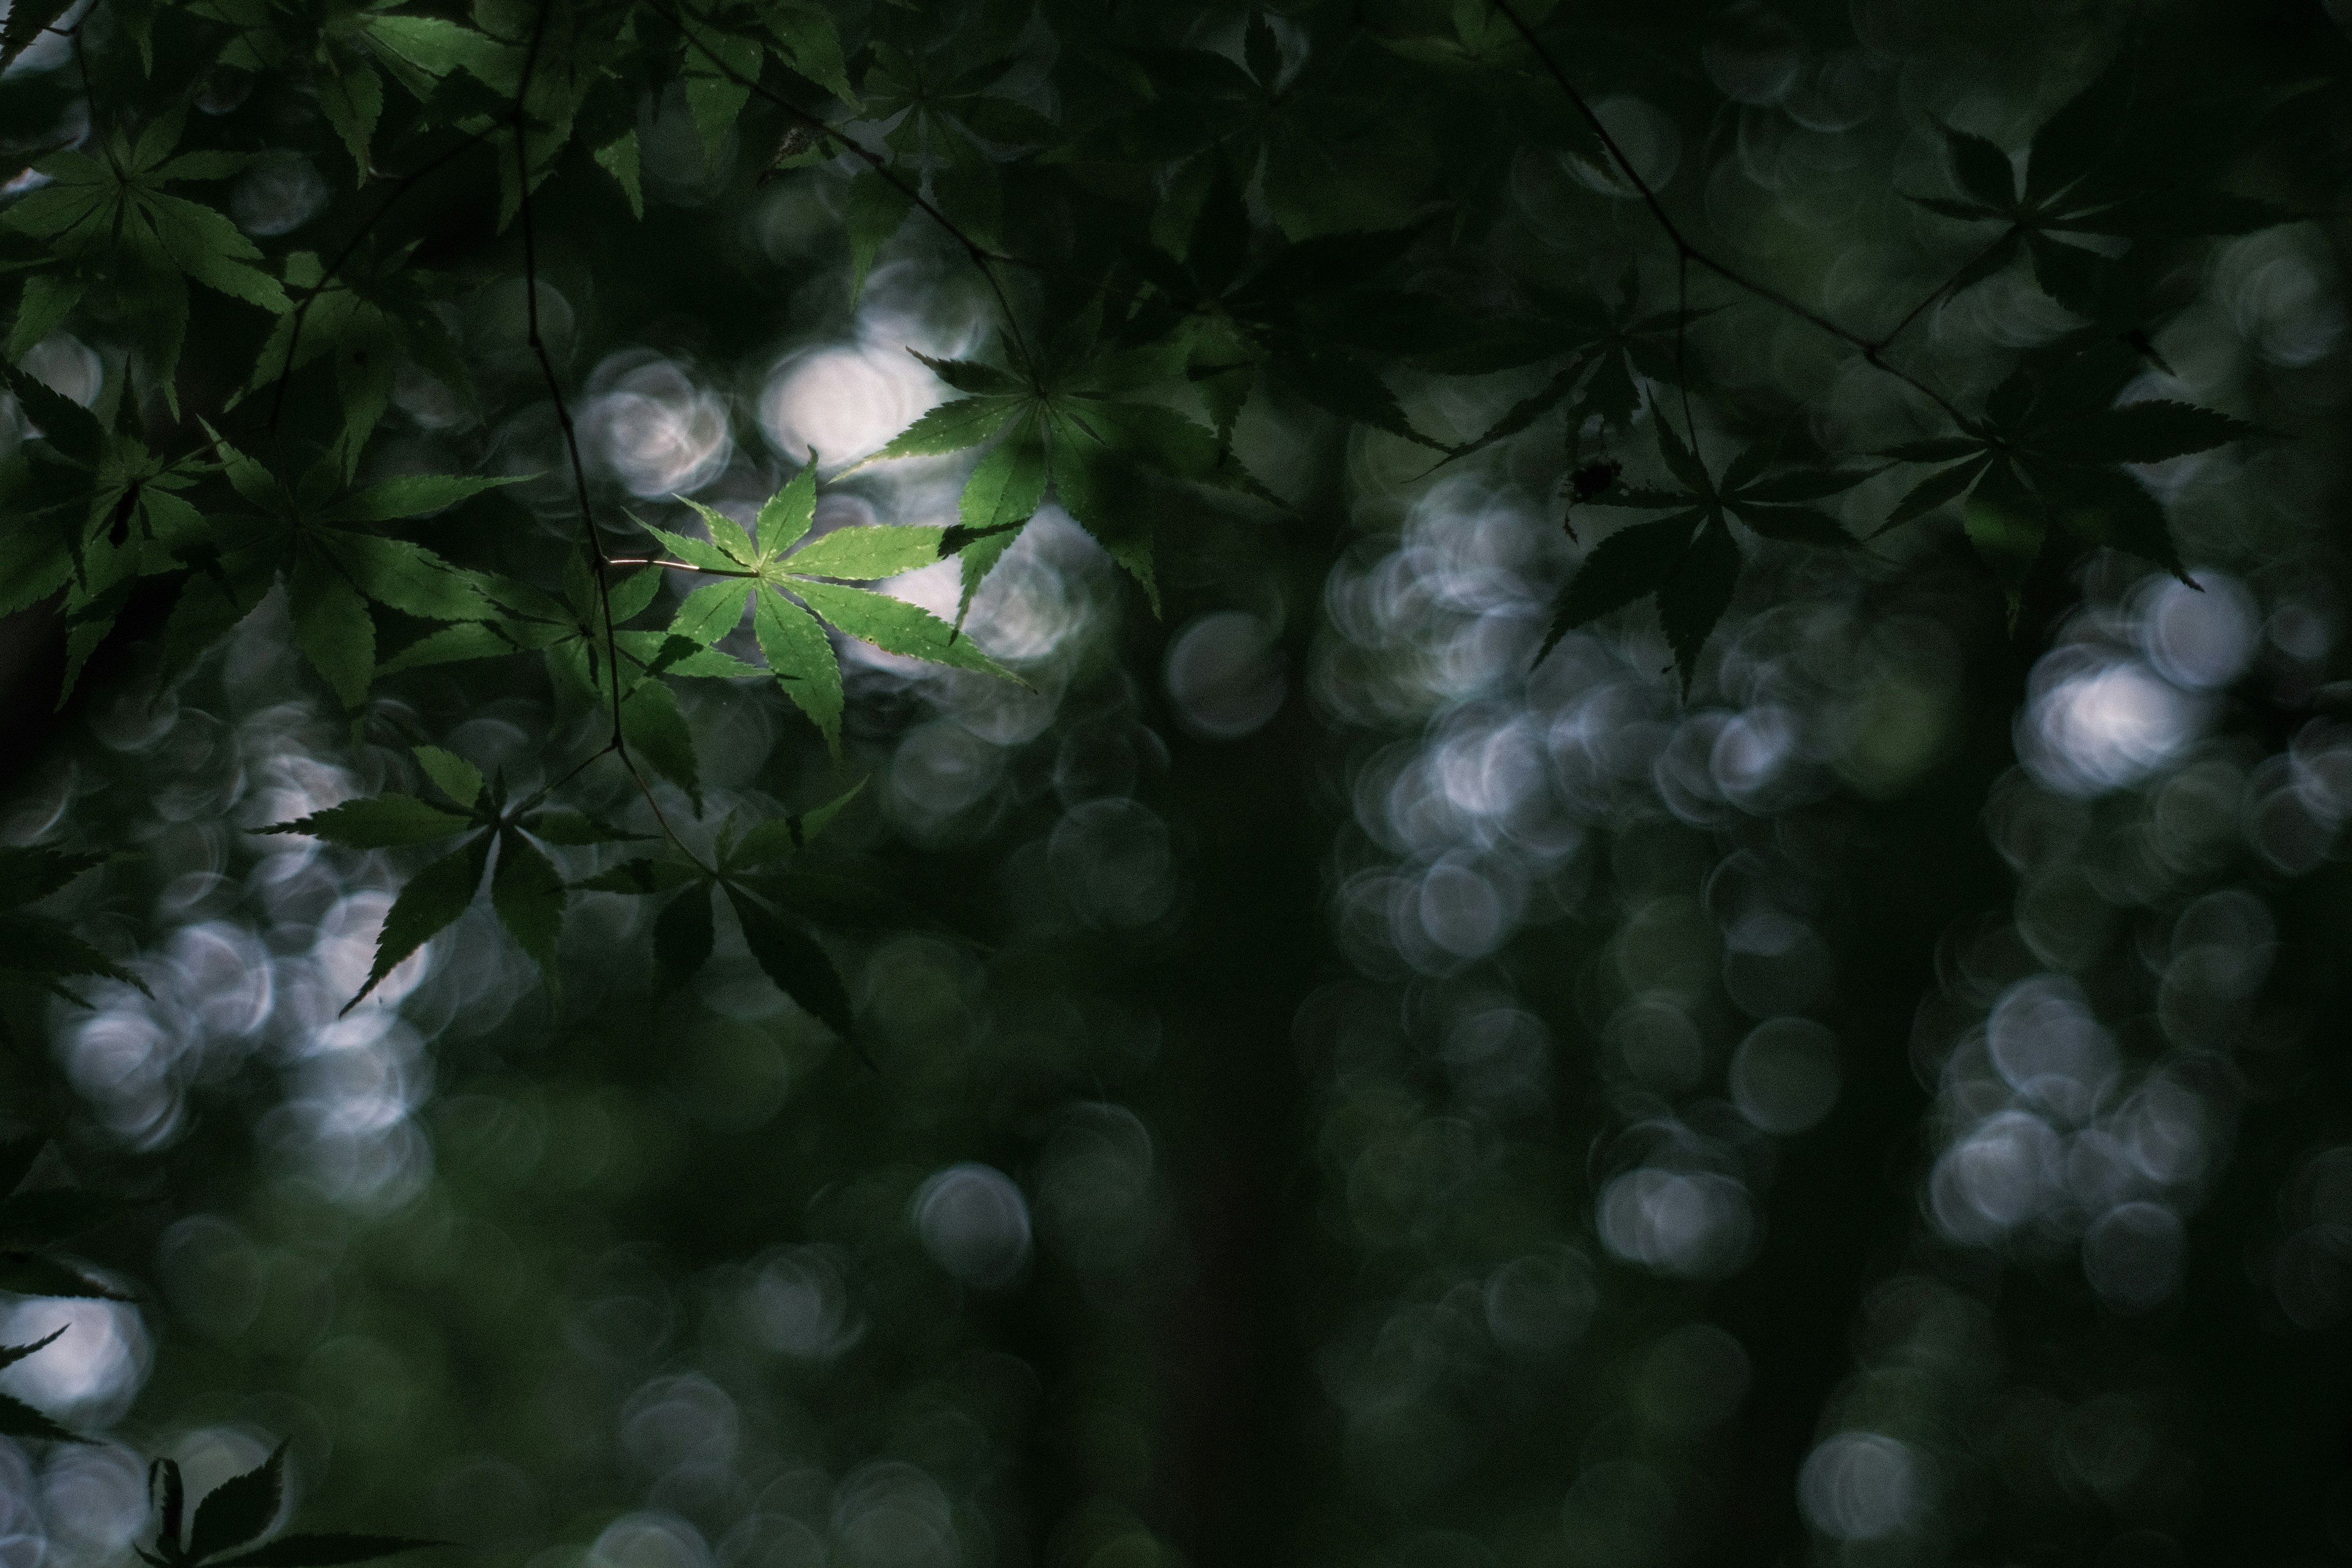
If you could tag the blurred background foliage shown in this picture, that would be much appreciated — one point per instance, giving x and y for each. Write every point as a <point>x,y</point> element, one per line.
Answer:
<point>1327,1091</point>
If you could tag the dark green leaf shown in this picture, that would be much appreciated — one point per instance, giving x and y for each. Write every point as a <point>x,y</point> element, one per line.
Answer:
<point>1695,596</point>
<point>239,1508</point>
<point>1627,565</point>
<point>163,1479</point>
<point>11,1354</point>
<point>1933,491</point>
<point>970,376</point>
<point>2143,433</point>
<point>432,899</point>
<point>528,896</point>
<point>656,731</point>
<point>801,968</point>
<point>458,779</point>
<point>26,19</point>
<point>379,822</point>
<point>64,423</point>
<point>43,948</point>
<point>2102,506</point>
<point>28,876</point>
<point>1982,169</point>
<point>18,1419</point>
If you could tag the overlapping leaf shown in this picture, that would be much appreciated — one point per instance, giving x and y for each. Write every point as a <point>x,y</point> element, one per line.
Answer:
<point>526,891</point>
<point>1689,559</point>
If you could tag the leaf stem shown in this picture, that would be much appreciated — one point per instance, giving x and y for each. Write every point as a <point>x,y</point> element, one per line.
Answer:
<point>673,566</point>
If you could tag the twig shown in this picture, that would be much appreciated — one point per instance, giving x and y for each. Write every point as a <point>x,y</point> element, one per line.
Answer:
<point>1944,287</point>
<point>1690,252</point>
<point>618,745</point>
<point>673,566</point>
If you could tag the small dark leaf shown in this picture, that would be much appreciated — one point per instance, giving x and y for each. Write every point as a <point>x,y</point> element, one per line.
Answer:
<point>65,424</point>
<point>2143,433</point>
<point>2069,274</point>
<point>239,1508</point>
<point>801,968</point>
<point>11,1354</point>
<point>171,1491</point>
<point>1694,598</point>
<point>378,822</point>
<point>1623,567</point>
<point>25,20</point>
<point>2102,506</point>
<point>1982,169</point>
<point>528,894</point>
<point>1681,461</point>
<point>18,1419</point>
<point>1933,491</point>
<point>433,898</point>
<point>1264,54</point>
<point>28,876</point>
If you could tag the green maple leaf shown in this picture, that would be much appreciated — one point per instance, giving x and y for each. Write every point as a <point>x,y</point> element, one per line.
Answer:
<point>786,583</point>
<point>312,536</point>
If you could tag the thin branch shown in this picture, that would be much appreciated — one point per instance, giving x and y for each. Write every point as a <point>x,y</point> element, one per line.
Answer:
<point>1945,288</point>
<point>980,255</point>
<point>1690,252</point>
<point>553,785</point>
